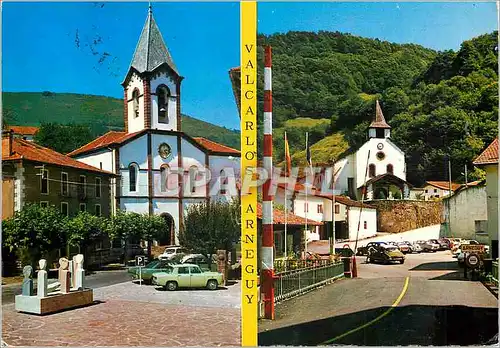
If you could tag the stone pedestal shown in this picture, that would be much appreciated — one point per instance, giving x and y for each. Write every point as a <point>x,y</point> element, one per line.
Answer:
<point>54,302</point>
<point>222,264</point>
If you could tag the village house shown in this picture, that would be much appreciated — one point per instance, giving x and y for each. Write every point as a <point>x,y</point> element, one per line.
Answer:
<point>439,189</point>
<point>488,160</point>
<point>35,174</point>
<point>163,170</point>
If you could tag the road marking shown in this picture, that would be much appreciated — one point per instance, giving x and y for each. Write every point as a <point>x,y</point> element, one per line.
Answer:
<point>394,305</point>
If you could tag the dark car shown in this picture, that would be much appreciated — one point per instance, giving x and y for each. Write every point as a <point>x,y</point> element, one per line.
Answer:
<point>147,271</point>
<point>442,244</point>
<point>362,251</point>
<point>384,253</point>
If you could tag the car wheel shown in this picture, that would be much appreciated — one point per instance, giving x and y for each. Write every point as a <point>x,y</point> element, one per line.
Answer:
<point>212,284</point>
<point>171,286</point>
<point>402,261</point>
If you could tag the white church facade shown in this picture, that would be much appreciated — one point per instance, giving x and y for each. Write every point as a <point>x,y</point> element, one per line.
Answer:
<point>161,170</point>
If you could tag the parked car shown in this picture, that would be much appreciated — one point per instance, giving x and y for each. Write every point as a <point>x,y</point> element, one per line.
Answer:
<point>405,247</point>
<point>384,253</point>
<point>428,246</point>
<point>187,276</point>
<point>147,271</point>
<point>200,260</point>
<point>416,247</point>
<point>442,244</point>
<point>362,251</point>
<point>171,252</point>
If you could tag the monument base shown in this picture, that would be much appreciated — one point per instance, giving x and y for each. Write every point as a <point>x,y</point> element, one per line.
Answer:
<point>54,302</point>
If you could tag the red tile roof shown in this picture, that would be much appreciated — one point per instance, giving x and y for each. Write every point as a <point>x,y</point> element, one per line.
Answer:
<point>444,185</point>
<point>23,130</point>
<point>28,150</point>
<point>338,198</point>
<point>379,121</point>
<point>291,219</point>
<point>103,141</point>
<point>215,147</point>
<point>115,138</point>
<point>489,155</point>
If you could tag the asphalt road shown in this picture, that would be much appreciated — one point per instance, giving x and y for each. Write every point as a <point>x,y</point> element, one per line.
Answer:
<point>424,301</point>
<point>94,281</point>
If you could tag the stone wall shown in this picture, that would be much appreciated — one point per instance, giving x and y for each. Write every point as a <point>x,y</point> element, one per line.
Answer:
<point>403,215</point>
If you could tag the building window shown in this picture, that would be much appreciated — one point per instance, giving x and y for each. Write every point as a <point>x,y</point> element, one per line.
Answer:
<point>98,187</point>
<point>193,175</point>
<point>435,190</point>
<point>100,165</point>
<point>83,207</point>
<point>97,210</point>
<point>135,102</point>
<point>390,169</point>
<point>64,184</point>
<point>82,187</point>
<point>163,94</point>
<point>44,204</point>
<point>426,191</point>
<point>223,182</point>
<point>365,225</point>
<point>44,182</point>
<point>371,170</point>
<point>337,209</point>
<point>306,207</point>
<point>132,177</point>
<point>320,208</point>
<point>64,209</point>
<point>164,170</point>
<point>380,133</point>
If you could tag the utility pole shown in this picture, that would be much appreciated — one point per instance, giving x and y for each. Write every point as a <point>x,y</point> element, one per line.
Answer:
<point>465,175</point>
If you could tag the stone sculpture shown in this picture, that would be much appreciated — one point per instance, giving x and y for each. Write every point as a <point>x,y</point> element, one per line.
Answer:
<point>64,275</point>
<point>79,273</point>
<point>42,288</point>
<point>27,288</point>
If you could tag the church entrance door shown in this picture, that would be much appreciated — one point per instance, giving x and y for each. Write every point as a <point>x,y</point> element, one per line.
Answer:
<point>168,238</point>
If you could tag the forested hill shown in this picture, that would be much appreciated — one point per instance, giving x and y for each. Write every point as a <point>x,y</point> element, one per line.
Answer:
<point>428,97</point>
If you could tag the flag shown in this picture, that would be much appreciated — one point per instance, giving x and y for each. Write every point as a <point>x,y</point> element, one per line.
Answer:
<point>288,159</point>
<point>308,150</point>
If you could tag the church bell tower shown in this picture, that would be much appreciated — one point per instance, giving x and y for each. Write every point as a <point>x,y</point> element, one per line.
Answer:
<point>379,127</point>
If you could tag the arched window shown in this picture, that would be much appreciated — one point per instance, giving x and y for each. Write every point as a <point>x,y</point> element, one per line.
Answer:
<point>193,176</point>
<point>371,170</point>
<point>223,182</point>
<point>132,177</point>
<point>135,102</point>
<point>164,171</point>
<point>390,169</point>
<point>163,94</point>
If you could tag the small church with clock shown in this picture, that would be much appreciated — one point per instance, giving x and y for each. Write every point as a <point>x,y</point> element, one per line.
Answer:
<point>161,169</point>
<point>377,169</point>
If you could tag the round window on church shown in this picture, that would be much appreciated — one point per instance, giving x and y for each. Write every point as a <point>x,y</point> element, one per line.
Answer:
<point>164,150</point>
<point>380,155</point>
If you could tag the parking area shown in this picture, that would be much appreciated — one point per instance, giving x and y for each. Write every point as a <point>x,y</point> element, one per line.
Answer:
<point>129,314</point>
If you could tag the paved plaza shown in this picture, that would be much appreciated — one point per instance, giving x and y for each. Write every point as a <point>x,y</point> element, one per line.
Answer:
<point>127,314</point>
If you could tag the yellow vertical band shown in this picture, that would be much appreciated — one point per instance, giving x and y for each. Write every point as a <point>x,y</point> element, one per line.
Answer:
<point>249,290</point>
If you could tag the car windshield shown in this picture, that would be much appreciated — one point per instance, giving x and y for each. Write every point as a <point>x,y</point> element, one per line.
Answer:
<point>169,251</point>
<point>391,248</point>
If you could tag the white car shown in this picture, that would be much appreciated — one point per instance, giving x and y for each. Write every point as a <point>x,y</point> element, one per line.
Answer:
<point>172,251</point>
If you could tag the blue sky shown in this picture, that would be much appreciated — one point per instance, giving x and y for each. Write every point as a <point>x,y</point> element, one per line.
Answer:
<point>40,50</point>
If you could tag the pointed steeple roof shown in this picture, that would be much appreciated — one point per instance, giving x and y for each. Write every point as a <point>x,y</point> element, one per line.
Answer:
<point>151,50</point>
<point>379,121</point>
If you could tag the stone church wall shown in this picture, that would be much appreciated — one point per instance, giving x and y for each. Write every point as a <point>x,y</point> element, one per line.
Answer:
<point>395,216</point>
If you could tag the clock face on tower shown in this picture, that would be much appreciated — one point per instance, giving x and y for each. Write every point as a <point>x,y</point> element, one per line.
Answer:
<point>380,146</point>
<point>164,150</point>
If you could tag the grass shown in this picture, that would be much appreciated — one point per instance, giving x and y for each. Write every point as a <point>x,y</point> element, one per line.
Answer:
<point>307,122</point>
<point>101,113</point>
<point>327,150</point>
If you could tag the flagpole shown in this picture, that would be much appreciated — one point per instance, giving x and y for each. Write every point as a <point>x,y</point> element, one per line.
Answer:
<point>307,205</point>
<point>286,188</point>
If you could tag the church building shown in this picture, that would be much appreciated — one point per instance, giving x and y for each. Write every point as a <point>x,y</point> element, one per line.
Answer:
<point>161,169</point>
<point>377,168</point>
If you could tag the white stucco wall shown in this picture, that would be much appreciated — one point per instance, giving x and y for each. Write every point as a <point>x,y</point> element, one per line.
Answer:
<point>138,205</point>
<point>343,170</point>
<point>368,215</point>
<point>312,202</point>
<point>156,81</point>
<point>393,155</point>
<point>135,123</point>
<point>169,206</point>
<point>104,156</point>
<point>192,156</point>
<point>216,164</point>
<point>432,191</point>
<point>492,200</point>
<point>134,151</point>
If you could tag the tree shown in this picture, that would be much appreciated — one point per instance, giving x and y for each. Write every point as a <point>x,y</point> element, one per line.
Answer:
<point>153,226</point>
<point>35,232</point>
<point>211,226</point>
<point>63,138</point>
<point>83,230</point>
<point>126,226</point>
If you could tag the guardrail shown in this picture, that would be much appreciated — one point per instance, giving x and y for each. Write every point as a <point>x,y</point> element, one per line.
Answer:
<point>296,280</point>
<point>494,272</point>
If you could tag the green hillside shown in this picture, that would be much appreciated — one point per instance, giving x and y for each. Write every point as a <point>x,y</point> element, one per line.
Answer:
<point>100,113</point>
